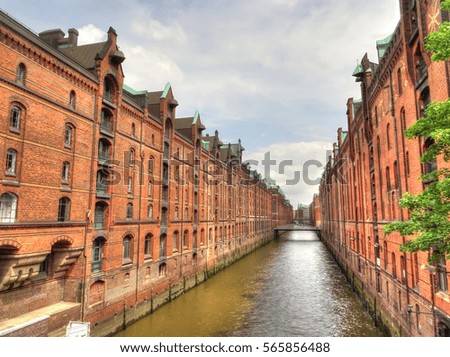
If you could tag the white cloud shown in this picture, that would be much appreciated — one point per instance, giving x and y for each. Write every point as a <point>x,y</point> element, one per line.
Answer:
<point>90,34</point>
<point>297,167</point>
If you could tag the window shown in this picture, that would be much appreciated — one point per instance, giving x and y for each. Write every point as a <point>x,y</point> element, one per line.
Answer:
<point>431,165</point>
<point>68,136</point>
<point>97,255</point>
<point>8,207</point>
<point>150,189</point>
<point>102,181</point>
<point>442,274</point>
<point>394,266</point>
<point>127,249</point>
<point>106,121</point>
<point>103,150</point>
<point>388,135</point>
<point>388,179</point>
<point>186,213</point>
<point>151,165</point>
<point>175,240</point>
<point>133,130</point>
<point>153,140</point>
<point>399,81</point>
<point>11,159</point>
<point>162,269</point>
<point>150,211</point>
<point>130,211</point>
<point>21,75</point>
<point>14,119</point>
<point>185,239</point>
<point>64,210</point>
<point>407,170</point>
<point>100,214</point>
<point>130,185</point>
<point>131,158</point>
<point>148,245</point>
<point>65,172</point>
<point>72,99</point>
<point>162,246</point>
<point>108,90</point>
<point>176,214</point>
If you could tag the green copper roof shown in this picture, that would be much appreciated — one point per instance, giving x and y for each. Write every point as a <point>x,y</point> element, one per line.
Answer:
<point>196,116</point>
<point>166,90</point>
<point>133,91</point>
<point>359,70</point>
<point>344,135</point>
<point>383,44</point>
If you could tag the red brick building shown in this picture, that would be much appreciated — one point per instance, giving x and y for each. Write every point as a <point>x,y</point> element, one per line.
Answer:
<point>109,204</point>
<point>372,165</point>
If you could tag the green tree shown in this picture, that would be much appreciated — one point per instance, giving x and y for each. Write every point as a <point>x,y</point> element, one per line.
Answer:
<point>430,210</point>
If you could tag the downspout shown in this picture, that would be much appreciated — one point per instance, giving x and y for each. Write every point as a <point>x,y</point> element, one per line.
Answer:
<point>399,189</point>
<point>88,213</point>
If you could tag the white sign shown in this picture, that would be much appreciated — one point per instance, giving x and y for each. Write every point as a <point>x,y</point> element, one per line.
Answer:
<point>78,329</point>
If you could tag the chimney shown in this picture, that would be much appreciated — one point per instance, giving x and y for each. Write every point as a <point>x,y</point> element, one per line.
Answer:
<point>73,37</point>
<point>52,37</point>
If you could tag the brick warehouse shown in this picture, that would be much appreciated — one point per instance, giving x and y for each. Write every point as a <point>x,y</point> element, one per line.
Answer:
<point>372,165</point>
<point>110,206</point>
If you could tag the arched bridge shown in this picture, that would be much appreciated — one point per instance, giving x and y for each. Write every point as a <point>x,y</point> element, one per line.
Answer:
<point>295,227</point>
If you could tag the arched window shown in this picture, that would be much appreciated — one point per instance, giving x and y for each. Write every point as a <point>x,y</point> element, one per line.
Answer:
<point>407,169</point>
<point>150,188</point>
<point>8,208</point>
<point>186,213</point>
<point>131,157</point>
<point>151,164</point>
<point>186,239</point>
<point>106,121</point>
<point>399,81</point>
<point>129,211</point>
<point>148,245</point>
<point>14,118</point>
<point>396,175</point>
<point>100,215</point>
<point>11,161</point>
<point>108,90</point>
<point>127,249</point>
<point>376,116</point>
<point>388,179</point>
<point>68,136</point>
<point>162,269</point>
<point>102,181</point>
<point>65,172</point>
<point>103,150</point>
<point>162,246</point>
<point>130,185</point>
<point>21,74</point>
<point>176,213</point>
<point>133,130</point>
<point>150,211</point>
<point>97,254</point>
<point>153,140</point>
<point>394,266</point>
<point>430,165</point>
<point>64,210</point>
<point>175,241</point>
<point>403,119</point>
<point>72,99</point>
<point>388,135</point>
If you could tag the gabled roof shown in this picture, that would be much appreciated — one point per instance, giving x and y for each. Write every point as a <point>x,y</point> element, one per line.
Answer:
<point>85,55</point>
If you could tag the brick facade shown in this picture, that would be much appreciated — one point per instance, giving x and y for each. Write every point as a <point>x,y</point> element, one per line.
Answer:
<point>372,165</point>
<point>108,200</point>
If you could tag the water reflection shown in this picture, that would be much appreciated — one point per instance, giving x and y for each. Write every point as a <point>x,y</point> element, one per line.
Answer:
<point>290,287</point>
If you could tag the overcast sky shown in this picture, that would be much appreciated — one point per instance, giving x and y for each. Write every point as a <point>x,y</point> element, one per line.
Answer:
<point>275,73</point>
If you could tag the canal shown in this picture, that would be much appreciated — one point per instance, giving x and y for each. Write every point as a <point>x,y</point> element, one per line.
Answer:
<point>289,287</point>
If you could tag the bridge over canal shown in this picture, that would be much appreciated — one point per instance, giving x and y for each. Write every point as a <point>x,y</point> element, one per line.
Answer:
<point>294,227</point>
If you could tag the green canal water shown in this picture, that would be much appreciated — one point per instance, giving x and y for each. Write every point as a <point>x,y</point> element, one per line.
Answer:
<point>289,287</point>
